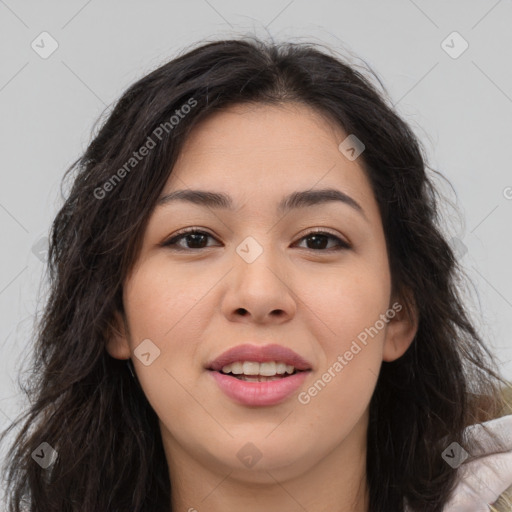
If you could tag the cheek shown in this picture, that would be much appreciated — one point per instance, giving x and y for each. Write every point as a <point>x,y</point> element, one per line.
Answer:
<point>350,330</point>
<point>351,346</point>
<point>349,303</point>
<point>167,308</point>
<point>162,301</point>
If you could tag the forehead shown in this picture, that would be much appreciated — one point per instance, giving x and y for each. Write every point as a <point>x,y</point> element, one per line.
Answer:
<point>258,129</point>
<point>260,153</point>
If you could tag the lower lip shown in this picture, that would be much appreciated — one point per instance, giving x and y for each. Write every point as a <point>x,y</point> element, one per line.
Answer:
<point>271,392</point>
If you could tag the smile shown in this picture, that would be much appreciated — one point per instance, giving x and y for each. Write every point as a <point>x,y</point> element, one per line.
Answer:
<point>259,390</point>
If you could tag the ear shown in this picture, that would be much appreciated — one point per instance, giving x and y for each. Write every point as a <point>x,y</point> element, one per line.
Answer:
<point>402,329</point>
<point>117,344</point>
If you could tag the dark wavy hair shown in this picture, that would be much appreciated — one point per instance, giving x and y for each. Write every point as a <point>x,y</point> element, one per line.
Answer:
<point>85,403</point>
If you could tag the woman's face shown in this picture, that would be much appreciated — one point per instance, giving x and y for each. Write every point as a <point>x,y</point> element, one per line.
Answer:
<point>257,275</point>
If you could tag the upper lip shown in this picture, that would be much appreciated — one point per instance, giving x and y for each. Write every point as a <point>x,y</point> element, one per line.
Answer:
<point>259,354</point>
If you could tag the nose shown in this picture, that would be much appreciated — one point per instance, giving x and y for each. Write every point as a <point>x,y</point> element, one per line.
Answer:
<point>259,292</point>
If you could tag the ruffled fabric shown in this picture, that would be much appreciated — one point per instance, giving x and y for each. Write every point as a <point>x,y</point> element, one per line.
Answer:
<point>486,472</point>
<point>489,471</point>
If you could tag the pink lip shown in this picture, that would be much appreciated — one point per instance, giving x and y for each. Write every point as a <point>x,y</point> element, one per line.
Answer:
<point>259,354</point>
<point>259,393</point>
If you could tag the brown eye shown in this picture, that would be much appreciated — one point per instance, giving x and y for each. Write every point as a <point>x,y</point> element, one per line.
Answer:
<point>194,239</point>
<point>319,240</point>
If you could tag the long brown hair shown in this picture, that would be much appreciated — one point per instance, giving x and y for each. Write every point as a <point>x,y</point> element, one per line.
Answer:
<point>86,405</point>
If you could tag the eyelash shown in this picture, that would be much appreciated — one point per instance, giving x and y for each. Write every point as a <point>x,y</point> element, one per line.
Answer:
<point>341,244</point>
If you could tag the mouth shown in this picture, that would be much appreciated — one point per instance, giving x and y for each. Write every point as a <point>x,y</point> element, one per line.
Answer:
<point>253,371</point>
<point>255,384</point>
<point>267,361</point>
<point>255,375</point>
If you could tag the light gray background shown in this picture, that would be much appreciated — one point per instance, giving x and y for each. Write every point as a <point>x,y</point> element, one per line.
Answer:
<point>461,108</point>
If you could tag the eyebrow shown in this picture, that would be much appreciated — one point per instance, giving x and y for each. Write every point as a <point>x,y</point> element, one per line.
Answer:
<point>300,199</point>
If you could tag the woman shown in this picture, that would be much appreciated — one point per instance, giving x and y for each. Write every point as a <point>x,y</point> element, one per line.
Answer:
<point>264,366</point>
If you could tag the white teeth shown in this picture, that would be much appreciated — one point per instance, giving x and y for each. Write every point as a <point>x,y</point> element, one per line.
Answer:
<point>237,368</point>
<point>251,368</point>
<point>267,369</point>
<point>281,368</point>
